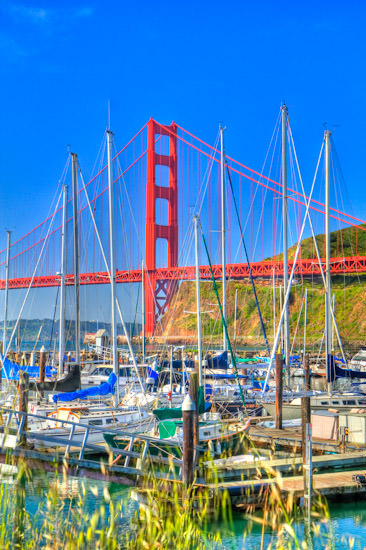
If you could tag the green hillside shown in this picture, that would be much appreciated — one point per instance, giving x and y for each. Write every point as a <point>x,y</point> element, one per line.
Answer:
<point>350,241</point>
<point>349,292</point>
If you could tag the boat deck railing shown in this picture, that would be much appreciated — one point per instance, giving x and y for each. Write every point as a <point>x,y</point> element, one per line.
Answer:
<point>14,441</point>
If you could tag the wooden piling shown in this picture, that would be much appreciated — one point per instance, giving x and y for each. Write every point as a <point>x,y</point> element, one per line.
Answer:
<point>193,392</point>
<point>307,382</point>
<point>279,391</point>
<point>23,389</point>
<point>305,419</point>
<point>188,409</point>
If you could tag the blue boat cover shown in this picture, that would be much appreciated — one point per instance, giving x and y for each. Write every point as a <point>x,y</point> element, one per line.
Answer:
<point>219,361</point>
<point>226,376</point>
<point>177,364</point>
<point>102,389</point>
<point>152,373</point>
<point>10,370</point>
<point>260,385</point>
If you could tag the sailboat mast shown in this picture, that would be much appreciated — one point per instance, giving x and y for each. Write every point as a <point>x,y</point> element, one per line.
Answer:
<point>285,240</point>
<point>305,322</point>
<point>327,134</point>
<point>223,232</point>
<point>112,264</point>
<point>274,303</point>
<point>333,323</point>
<point>74,158</point>
<point>6,298</point>
<point>198,300</point>
<point>63,287</point>
<point>235,315</point>
<point>143,309</point>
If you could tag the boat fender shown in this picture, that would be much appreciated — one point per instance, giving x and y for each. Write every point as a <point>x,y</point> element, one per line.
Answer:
<point>211,447</point>
<point>169,395</point>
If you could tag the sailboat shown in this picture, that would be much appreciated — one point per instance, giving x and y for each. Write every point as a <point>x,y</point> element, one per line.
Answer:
<point>338,401</point>
<point>215,436</point>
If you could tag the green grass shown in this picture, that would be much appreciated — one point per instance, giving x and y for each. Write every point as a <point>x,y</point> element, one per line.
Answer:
<point>169,520</point>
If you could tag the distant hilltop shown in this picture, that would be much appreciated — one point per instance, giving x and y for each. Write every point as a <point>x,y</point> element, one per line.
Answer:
<point>46,330</point>
<point>350,241</point>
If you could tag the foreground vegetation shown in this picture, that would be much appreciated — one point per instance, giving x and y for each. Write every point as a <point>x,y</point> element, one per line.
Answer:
<point>169,519</point>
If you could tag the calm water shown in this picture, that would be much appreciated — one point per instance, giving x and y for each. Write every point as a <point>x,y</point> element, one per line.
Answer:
<point>347,520</point>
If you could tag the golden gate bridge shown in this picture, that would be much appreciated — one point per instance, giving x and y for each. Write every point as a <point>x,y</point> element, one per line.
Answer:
<point>163,176</point>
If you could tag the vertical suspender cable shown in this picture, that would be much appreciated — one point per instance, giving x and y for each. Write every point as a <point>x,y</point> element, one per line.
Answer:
<point>248,264</point>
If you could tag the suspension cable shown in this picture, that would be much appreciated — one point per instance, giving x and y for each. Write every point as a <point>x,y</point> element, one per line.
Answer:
<point>248,263</point>
<point>223,319</point>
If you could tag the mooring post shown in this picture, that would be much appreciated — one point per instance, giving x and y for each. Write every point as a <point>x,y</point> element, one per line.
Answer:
<point>193,392</point>
<point>279,391</point>
<point>188,409</point>
<point>305,407</point>
<point>23,404</point>
<point>42,364</point>
<point>308,477</point>
<point>305,420</point>
<point>307,383</point>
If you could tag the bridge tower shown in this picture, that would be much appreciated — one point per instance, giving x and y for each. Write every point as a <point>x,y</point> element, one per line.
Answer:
<point>158,291</point>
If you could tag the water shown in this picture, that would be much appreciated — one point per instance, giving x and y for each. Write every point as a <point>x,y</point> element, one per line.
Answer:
<point>347,523</point>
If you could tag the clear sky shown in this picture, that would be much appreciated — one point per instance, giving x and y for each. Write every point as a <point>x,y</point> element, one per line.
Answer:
<point>196,62</point>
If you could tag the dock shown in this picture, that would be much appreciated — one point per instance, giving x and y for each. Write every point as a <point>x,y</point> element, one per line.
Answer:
<point>290,438</point>
<point>239,467</point>
<point>252,492</point>
<point>246,479</point>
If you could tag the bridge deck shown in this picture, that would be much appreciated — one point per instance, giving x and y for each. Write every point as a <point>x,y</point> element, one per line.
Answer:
<point>353,264</point>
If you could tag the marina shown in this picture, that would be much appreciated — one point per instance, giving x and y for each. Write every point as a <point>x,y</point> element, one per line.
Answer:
<point>182,276</point>
<point>221,425</point>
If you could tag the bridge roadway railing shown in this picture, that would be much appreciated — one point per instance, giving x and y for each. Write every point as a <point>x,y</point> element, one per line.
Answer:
<point>265,269</point>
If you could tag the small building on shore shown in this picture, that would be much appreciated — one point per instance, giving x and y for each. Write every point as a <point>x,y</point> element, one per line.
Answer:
<point>100,339</point>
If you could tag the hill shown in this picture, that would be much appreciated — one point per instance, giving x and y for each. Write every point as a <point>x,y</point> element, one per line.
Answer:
<point>349,294</point>
<point>350,241</point>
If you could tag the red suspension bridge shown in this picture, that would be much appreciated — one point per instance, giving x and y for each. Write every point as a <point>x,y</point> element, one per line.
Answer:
<point>162,177</point>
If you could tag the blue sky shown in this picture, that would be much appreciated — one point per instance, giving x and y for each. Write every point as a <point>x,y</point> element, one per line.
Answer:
<point>195,62</point>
